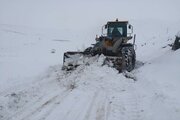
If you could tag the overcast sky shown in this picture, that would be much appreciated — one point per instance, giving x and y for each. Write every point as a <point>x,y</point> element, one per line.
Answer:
<point>70,13</point>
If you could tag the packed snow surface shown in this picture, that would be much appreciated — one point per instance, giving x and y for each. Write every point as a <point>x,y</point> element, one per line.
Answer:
<point>32,42</point>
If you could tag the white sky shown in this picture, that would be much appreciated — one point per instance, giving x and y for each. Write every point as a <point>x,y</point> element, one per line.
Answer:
<point>78,13</point>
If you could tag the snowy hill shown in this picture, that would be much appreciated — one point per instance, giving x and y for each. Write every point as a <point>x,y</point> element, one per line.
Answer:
<point>33,86</point>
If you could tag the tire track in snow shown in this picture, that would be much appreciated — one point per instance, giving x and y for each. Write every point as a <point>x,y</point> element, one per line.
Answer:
<point>133,111</point>
<point>70,108</point>
<point>98,108</point>
<point>44,105</point>
<point>48,103</point>
<point>91,106</point>
<point>101,111</point>
<point>48,107</point>
<point>80,105</point>
<point>42,100</point>
<point>126,106</point>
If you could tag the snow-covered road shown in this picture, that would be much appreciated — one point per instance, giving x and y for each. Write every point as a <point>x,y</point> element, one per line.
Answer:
<point>93,92</point>
<point>90,92</point>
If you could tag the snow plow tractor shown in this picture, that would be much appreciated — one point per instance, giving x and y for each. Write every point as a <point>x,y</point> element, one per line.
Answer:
<point>113,44</point>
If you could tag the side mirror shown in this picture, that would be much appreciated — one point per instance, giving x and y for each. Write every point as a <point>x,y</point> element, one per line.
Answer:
<point>130,26</point>
<point>106,26</point>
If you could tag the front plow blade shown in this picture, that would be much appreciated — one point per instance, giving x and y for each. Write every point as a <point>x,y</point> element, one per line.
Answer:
<point>72,59</point>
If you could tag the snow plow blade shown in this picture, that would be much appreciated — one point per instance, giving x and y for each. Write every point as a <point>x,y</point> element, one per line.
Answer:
<point>71,60</point>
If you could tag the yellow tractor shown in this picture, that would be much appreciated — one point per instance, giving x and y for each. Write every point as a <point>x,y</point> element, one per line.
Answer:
<point>113,44</point>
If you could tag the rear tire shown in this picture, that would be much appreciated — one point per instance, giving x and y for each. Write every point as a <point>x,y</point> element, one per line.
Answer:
<point>128,58</point>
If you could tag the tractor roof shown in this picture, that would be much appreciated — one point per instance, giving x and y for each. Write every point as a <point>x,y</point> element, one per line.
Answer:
<point>117,21</point>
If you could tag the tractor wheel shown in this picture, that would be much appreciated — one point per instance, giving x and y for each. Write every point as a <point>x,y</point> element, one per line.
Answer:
<point>128,58</point>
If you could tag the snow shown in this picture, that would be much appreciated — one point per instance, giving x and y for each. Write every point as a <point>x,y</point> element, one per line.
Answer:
<point>32,43</point>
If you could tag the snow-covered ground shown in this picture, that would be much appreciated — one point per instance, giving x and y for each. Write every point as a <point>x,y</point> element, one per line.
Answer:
<point>33,86</point>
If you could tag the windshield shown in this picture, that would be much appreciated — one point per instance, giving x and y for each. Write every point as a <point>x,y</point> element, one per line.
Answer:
<point>115,31</point>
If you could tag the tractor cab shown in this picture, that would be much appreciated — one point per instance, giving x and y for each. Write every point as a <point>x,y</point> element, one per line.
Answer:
<point>117,29</point>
